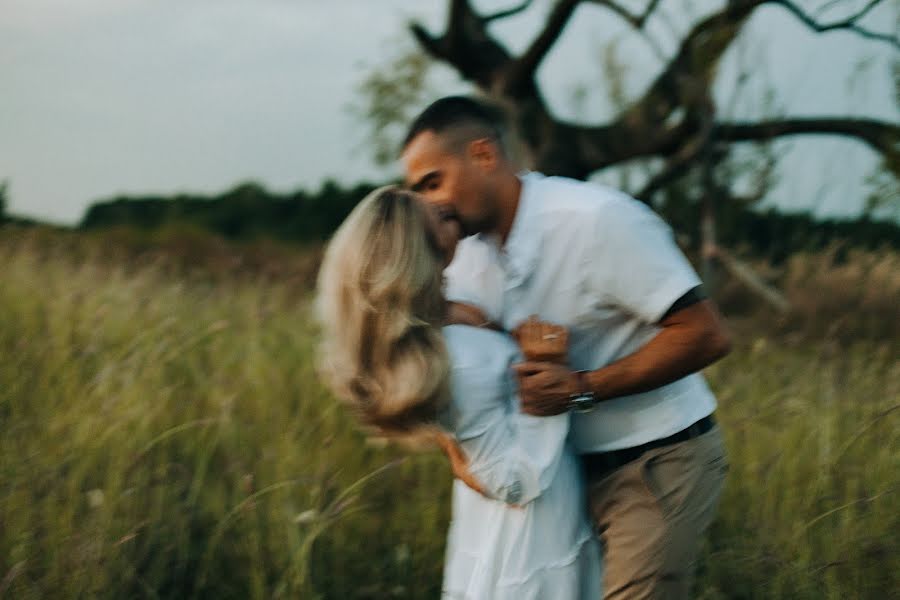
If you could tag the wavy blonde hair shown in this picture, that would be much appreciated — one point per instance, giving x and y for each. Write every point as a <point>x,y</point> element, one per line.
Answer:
<point>380,304</point>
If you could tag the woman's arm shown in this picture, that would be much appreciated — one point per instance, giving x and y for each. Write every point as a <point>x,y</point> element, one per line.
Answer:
<point>512,456</point>
<point>460,313</point>
<point>458,462</point>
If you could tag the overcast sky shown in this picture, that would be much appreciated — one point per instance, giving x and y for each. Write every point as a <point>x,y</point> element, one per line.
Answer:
<point>106,97</point>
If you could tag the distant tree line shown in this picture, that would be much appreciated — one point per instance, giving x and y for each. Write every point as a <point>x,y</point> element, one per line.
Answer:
<point>3,188</point>
<point>773,235</point>
<point>249,211</point>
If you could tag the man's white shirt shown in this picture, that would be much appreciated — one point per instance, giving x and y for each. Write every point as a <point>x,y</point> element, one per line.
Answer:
<point>604,265</point>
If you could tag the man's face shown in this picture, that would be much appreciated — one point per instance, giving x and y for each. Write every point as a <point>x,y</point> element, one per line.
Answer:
<point>452,181</point>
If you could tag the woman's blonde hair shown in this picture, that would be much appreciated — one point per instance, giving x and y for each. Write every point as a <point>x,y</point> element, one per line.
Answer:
<point>381,306</point>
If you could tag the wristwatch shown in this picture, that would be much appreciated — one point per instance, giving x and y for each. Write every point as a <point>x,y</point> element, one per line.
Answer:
<point>584,400</point>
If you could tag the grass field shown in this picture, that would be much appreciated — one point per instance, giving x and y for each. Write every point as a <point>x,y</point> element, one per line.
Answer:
<point>164,436</point>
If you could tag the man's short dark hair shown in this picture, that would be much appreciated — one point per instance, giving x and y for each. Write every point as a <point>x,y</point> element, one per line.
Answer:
<point>455,112</point>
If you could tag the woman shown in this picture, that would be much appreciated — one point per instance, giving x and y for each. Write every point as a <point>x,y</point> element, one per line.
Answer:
<point>390,352</point>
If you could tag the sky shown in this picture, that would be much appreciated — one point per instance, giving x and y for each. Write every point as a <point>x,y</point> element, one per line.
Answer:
<point>106,97</point>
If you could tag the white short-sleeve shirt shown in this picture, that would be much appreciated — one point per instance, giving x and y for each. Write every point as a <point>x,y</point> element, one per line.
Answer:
<point>607,267</point>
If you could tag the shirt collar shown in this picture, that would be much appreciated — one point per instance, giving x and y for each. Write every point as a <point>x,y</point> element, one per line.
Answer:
<point>522,248</point>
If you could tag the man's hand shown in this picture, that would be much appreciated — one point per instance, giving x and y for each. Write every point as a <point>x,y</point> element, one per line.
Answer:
<point>545,388</point>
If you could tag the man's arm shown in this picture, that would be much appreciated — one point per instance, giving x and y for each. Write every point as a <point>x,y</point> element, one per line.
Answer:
<point>691,338</point>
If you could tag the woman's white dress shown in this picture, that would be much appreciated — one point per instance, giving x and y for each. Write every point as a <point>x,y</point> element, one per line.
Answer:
<point>532,539</point>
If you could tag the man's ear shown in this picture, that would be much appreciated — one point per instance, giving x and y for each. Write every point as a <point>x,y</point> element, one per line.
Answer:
<point>484,153</point>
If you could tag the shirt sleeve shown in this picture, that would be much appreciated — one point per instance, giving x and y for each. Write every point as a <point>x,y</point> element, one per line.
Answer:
<point>635,263</point>
<point>514,456</point>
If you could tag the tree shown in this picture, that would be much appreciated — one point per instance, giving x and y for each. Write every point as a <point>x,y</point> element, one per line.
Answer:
<point>674,125</point>
<point>675,118</point>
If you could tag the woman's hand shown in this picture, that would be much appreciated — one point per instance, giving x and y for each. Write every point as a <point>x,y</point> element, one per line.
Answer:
<point>541,341</point>
<point>458,461</point>
<point>460,313</point>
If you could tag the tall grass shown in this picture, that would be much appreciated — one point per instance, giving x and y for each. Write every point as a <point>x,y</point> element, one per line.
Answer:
<point>166,437</point>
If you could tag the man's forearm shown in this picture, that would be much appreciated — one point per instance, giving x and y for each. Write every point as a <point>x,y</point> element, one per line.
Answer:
<point>688,341</point>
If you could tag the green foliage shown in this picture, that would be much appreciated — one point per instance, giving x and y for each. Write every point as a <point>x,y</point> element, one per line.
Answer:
<point>167,438</point>
<point>390,96</point>
<point>246,212</point>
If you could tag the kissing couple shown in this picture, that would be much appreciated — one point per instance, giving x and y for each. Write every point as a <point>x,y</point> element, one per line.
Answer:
<point>592,440</point>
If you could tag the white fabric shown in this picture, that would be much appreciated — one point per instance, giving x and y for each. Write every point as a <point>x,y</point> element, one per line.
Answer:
<point>604,265</point>
<point>543,546</point>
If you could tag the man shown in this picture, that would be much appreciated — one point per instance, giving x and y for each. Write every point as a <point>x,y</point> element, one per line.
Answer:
<point>605,266</point>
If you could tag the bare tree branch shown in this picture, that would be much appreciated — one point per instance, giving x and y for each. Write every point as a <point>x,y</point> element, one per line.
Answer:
<point>459,11</point>
<point>674,169</point>
<point>590,149</point>
<point>523,71</point>
<point>686,156</point>
<point>745,273</point>
<point>828,6</point>
<point>461,22</point>
<point>645,128</point>
<point>509,12</point>
<point>688,76</point>
<point>882,136</point>
<point>690,71</point>
<point>872,4</point>
<point>847,24</point>
<point>428,42</point>
<point>466,45</point>
<point>636,21</point>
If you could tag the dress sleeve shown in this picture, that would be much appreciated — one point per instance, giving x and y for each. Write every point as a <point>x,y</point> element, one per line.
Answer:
<point>513,455</point>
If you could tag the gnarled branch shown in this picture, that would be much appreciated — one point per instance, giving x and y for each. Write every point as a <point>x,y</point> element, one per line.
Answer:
<point>882,136</point>
<point>509,12</point>
<point>688,76</point>
<point>850,23</point>
<point>523,70</point>
<point>466,45</point>
<point>636,21</point>
<point>432,45</point>
<point>645,128</point>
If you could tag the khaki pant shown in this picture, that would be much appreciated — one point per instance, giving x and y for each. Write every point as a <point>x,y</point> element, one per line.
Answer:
<point>651,515</point>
